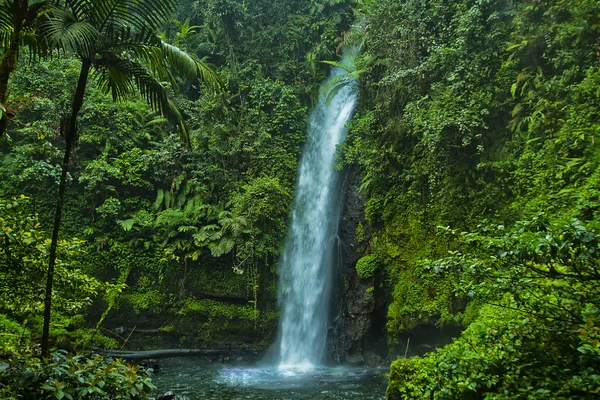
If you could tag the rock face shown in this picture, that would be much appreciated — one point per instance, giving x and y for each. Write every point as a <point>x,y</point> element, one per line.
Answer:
<point>354,300</point>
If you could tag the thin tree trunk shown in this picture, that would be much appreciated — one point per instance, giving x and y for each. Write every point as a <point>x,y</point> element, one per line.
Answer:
<point>8,65</point>
<point>70,133</point>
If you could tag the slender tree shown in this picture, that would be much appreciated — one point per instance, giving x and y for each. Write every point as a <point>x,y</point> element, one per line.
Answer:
<point>116,41</point>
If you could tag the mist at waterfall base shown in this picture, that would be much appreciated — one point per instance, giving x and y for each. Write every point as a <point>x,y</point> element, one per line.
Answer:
<point>195,379</point>
<point>294,367</point>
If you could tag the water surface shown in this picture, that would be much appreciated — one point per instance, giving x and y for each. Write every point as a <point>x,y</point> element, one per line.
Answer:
<point>197,379</point>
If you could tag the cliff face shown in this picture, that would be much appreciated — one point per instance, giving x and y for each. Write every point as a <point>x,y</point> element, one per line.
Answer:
<point>354,301</point>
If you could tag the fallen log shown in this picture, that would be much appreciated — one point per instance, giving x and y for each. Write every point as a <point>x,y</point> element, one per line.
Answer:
<point>168,353</point>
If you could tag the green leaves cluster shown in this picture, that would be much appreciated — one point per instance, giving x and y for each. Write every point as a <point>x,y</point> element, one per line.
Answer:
<point>538,334</point>
<point>73,377</point>
<point>24,251</point>
<point>472,110</point>
<point>485,110</point>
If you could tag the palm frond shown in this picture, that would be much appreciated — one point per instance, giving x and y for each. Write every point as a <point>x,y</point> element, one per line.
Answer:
<point>6,26</point>
<point>64,31</point>
<point>27,23</point>
<point>139,14</point>
<point>333,91</point>
<point>190,65</point>
<point>163,58</point>
<point>35,11</point>
<point>122,77</point>
<point>152,57</point>
<point>337,83</point>
<point>6,21</point>
<point>175,115</point>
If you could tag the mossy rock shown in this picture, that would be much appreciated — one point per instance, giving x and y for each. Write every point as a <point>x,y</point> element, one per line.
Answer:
<point>367,266</point>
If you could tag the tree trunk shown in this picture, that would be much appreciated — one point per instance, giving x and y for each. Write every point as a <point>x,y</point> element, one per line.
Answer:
<point>70,134</point>
<point>8,65</point>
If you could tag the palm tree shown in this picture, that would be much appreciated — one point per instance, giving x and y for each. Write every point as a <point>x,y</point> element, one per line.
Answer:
<point>17,25</point>
<point>116,40</point>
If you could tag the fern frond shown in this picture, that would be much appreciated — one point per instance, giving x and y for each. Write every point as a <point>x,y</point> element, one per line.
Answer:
<point>339,65</point>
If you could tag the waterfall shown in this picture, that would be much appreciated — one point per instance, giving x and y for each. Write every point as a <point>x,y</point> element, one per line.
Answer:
<point>308,258</point>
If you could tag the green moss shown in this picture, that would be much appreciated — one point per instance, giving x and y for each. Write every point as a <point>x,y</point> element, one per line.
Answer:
<point>212,309</point>
<point>142,301</point>
<point>221,281</point>
<point>360,232</point>
<point>214,321</point>
<point>367,266</point>
<point>86,338</point>
<point>167,328</point>
<point>420,298</point>
<point>470,314</point>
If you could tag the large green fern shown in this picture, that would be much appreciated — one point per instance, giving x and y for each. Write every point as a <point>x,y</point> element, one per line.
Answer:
<point>338,82</point>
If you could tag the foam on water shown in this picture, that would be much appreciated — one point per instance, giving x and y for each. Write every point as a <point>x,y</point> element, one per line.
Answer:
<point>199,379</point>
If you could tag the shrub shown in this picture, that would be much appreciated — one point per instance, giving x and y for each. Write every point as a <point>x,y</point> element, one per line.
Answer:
<point>72,377</point>
<point>410,378</point>
<point>11,332</point>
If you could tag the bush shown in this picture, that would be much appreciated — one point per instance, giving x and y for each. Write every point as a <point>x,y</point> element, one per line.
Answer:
<point>410,378</point>
<point>72,377</point>
<point>11,332</point>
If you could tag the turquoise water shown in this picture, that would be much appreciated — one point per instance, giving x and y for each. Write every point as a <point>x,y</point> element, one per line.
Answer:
<point>198,380</point>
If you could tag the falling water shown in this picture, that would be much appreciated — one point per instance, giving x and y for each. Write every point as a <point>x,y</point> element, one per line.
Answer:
<point>307,262</point>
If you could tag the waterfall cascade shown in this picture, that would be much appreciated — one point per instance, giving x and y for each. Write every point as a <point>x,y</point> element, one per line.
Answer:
<point>308,259</point>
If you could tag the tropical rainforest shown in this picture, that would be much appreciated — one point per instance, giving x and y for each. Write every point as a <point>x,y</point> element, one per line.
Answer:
<point>149,152</point>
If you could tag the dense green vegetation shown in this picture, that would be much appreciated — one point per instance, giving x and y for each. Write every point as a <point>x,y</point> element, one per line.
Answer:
<point>177,222</point>
<point>475,140</point>
<point>477,115</point>
<point>178,237</point>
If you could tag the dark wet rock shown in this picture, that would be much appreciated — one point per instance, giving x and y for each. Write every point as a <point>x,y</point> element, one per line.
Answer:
<point>360,304</point>
<point>353,300</point>
<point>459,304</point>
<point>372,359</point>
<point>65,344</point>
<point>171,396</point>
<point>355,358</point>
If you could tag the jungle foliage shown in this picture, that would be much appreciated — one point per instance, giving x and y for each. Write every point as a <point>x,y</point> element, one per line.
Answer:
<point>73,377</point>
<point>476,115</point>
<point>475,138</point>
<point>177,222</point>
<point>187,231</point>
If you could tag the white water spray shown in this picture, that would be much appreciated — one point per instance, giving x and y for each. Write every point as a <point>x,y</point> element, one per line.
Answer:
<point>307,262</point>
